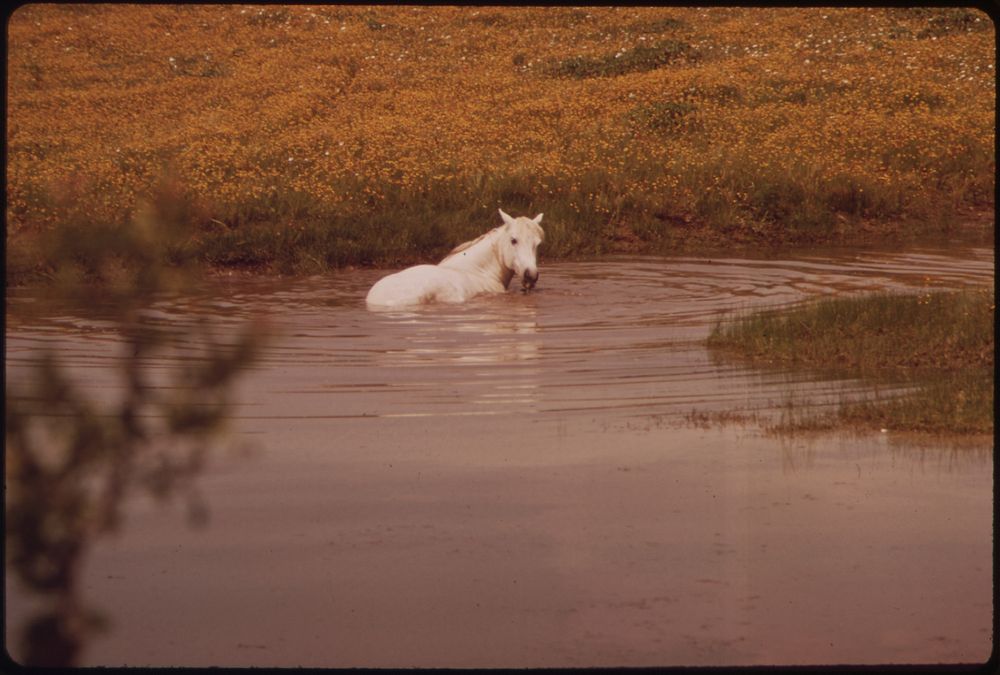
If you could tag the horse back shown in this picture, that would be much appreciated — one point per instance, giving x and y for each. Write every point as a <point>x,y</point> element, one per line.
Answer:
<point>422,284</point>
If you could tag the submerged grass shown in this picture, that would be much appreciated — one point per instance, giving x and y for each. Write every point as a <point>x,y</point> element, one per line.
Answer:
<point>317,136</point>
<point>939,344</point>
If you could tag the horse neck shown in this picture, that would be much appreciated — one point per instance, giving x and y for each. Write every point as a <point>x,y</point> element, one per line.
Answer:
<point>481,257</point>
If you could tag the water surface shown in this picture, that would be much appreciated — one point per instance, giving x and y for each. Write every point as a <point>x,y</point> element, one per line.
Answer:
<point>516,482</point>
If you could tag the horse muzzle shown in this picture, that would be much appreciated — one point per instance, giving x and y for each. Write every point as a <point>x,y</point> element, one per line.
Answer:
<point>529,279</point>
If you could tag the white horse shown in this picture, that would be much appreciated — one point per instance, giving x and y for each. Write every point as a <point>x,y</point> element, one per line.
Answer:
<point>483,265</point>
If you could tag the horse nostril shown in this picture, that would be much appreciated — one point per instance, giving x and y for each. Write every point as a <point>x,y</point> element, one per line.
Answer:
<point>530,277</point>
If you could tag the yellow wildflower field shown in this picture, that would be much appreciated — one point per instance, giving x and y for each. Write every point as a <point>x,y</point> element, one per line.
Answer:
<point>308,136</point>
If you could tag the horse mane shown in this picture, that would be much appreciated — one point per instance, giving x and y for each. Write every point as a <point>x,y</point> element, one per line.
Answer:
<point>469,244</point>
<point>537,229</point>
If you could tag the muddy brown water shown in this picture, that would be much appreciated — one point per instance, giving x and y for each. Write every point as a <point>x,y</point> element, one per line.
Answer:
<point>519,481</point>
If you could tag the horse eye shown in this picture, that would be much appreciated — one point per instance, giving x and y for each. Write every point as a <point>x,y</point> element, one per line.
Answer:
<point>514,242</point>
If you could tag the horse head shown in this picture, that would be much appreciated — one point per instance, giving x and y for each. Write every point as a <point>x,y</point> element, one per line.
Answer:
<point>518,246</point>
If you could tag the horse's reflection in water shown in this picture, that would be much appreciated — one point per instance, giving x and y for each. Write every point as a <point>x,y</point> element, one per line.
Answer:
<point>485,357</point>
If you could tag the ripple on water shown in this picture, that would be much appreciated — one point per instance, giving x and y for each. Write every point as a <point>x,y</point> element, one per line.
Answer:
<point>502,462</point>
<point>615,336</point>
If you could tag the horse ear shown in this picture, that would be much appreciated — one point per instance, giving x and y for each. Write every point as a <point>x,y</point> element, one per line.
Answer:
<point>507,219</point>
<point>538,219</point>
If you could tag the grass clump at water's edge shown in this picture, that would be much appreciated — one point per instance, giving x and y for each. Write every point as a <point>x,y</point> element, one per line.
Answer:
<point>941,344</point>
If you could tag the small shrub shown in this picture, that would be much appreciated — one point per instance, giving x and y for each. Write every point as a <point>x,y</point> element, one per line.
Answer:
<point>776,200</point>
<point>847,195</point>
<point>663,25</point>
<point>489,19</point>
<point>200,65</point>
<point>635,60</point>
<point>920,98</point>
<point>945,20</point>
<point>269,16</point>
<point>724,93</point>
<point>668,116</point>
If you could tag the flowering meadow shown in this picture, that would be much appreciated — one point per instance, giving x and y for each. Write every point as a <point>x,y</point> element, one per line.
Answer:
<point>298,138</point>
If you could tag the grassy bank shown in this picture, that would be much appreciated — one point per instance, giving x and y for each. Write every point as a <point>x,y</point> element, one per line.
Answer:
<point>309,137</point>
<point>940,343</point>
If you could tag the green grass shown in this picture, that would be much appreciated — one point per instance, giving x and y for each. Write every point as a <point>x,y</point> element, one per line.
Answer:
<point>940,343</point>
<point>289,232</point>
<point>741,138</point>
<point>402,227</point>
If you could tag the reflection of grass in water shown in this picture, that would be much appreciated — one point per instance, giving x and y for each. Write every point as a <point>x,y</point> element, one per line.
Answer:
<point>959,402</point>
<point>704,419</point>
<point>940,343</point>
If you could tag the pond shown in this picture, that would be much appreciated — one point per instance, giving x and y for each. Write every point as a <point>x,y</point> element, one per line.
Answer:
<point>522,481</point>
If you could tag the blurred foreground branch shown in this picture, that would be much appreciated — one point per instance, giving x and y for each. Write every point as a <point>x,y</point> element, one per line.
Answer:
<point>72,460</point>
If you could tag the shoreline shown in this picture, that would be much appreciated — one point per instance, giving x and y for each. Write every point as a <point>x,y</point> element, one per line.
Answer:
<point>972,227</point>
